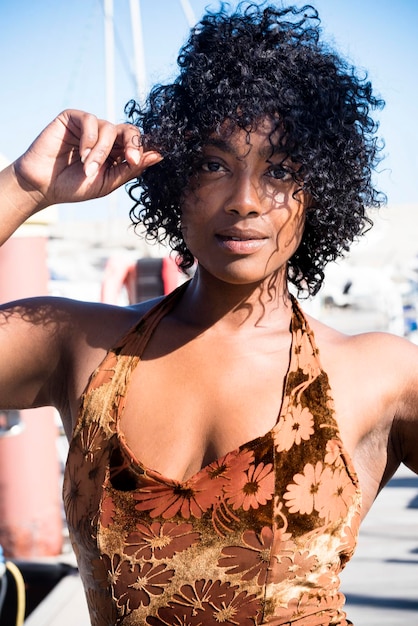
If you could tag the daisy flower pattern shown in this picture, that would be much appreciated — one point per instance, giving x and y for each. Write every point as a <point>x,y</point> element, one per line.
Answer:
<point>257,536</point>
<point>302,495</point>
<point>252,489</point>
<point>251,560</point>
<point>187,499</point>
<point>160,541</point>
<point>296,427</point>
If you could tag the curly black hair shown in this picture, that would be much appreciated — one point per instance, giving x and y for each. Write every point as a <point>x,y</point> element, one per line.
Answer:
<point>242,66</point>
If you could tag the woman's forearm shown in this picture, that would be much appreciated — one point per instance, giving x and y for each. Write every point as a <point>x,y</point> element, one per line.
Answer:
<point>17,202</point>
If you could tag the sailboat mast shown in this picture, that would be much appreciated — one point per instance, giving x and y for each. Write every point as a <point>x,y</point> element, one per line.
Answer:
<point>188,12</point>
<point>139,55</point>
<point>109,60</point>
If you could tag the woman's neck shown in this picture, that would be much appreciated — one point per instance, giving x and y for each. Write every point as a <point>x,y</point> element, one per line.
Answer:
<point>209,301</point>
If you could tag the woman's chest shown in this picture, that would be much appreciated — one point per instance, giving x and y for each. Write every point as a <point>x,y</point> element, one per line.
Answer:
<point>188,409</point>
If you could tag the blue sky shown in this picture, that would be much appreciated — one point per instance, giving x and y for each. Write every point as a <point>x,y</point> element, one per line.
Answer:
<point>52,57</point>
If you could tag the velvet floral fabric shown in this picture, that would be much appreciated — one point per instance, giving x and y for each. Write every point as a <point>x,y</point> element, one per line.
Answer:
<point>256,537</point>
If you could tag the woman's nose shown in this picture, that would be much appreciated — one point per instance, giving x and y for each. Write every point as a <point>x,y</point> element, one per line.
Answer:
<point>244,198</point>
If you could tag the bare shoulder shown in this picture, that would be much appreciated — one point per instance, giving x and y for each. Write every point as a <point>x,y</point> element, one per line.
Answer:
<point>381,351</point>
<point>51,345</point>
<point>87,330</point>
<point>374,376</point>
<point>99,323</point>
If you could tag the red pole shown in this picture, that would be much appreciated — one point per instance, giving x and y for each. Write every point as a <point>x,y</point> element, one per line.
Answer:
<point>30,504</point>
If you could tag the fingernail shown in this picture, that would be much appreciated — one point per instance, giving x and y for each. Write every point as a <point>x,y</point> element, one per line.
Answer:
<point>91,169</point>
<point>135,156</point>
<point>85,155</point>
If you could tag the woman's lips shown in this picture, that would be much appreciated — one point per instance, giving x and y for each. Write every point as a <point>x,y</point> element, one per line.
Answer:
<point>244,242</point>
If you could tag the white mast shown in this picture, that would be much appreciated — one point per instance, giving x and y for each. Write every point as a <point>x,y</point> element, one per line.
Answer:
<point>109,34</point>
<point>188,12</point>
<point>110,60</point>
<point>139,58</point>
<point>138,44</point>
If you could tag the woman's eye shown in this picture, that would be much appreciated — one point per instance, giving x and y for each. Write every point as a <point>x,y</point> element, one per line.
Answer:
<point>278,172</point>
<point>211,166</point>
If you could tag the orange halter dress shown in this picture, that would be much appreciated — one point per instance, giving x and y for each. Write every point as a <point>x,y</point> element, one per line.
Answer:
<point>259,536</point>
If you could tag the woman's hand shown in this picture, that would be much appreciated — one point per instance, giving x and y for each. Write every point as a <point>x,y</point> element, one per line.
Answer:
<point>79,157</point>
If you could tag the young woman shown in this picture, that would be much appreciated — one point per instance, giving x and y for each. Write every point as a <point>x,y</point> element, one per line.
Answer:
<point>224,446</point>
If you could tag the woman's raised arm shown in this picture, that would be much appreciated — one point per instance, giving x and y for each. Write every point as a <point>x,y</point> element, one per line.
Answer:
<point>76,157</point>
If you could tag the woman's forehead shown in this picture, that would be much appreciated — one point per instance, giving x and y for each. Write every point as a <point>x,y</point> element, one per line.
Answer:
<point>265,135</point>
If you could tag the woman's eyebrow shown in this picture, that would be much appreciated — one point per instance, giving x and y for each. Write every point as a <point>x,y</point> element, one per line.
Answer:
<point>266,152</point>
<point>222,144</point>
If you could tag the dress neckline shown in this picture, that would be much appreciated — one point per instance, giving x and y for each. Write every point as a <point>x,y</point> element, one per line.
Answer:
<point>145,327</point>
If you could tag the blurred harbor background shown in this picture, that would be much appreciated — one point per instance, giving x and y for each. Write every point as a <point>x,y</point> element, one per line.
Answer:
<point>374,288</point>
<point>54,58</point>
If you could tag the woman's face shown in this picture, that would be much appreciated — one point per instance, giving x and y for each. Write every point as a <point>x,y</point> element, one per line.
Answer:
<point>240,216</point>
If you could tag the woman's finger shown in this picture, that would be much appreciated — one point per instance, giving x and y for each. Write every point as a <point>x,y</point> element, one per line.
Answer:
<point>95,155</point>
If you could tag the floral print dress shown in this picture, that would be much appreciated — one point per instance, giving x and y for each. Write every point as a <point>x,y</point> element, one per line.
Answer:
<point>259,536</point>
